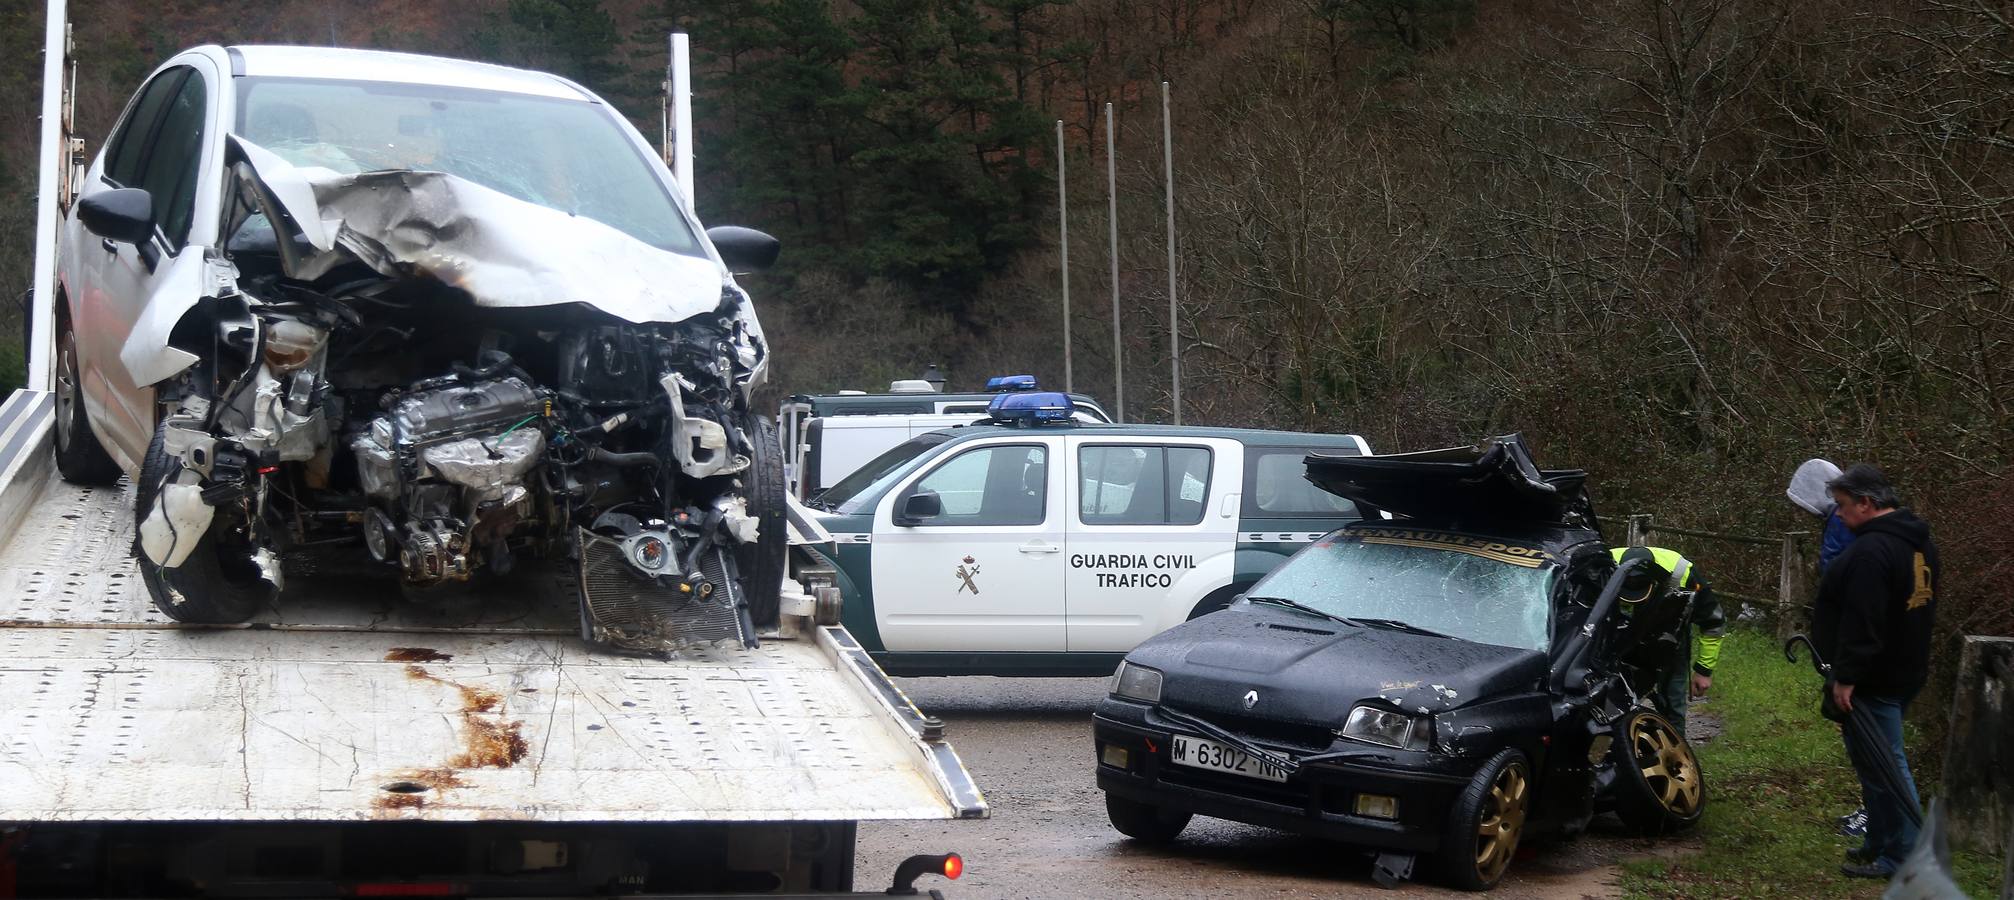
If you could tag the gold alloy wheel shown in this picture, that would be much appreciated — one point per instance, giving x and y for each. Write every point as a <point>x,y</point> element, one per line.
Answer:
<point>1502,821</point>
<point>1668,764</point>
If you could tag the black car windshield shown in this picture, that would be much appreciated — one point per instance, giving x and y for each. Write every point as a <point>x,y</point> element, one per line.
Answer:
<point>568,155</point>
<point>1483,591</point>
<point>847,496</point>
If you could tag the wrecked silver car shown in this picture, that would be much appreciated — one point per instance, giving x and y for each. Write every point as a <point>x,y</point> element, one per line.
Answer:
<point>457,320</point>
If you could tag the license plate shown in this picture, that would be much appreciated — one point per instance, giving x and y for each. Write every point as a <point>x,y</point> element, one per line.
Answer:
<point>1197,753</point>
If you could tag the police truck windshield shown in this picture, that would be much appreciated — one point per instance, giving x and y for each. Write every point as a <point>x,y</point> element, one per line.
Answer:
<point>846,496</point>
<point>1477,590</point>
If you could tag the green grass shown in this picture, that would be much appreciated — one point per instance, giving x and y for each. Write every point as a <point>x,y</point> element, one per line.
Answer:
<point>1777,778</point>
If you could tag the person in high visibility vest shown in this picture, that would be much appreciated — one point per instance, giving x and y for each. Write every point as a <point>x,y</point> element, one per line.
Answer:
<point>1689,674</point>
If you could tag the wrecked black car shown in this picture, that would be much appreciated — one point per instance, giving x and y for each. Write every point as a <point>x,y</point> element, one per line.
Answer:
<point>449,316</point>
<point>1443,683</point>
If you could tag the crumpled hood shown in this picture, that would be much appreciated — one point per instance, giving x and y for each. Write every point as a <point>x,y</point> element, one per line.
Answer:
<point>1310,670</point>
<point>503,251</point>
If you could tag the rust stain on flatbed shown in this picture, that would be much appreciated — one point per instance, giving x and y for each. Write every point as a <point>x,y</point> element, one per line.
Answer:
<point>492,745</point>
<point>417,655</point>
<point>394,802</point>
<point>490,742</point>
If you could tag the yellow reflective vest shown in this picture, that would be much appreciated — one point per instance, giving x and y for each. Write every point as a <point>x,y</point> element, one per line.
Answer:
<point>1705,613</point>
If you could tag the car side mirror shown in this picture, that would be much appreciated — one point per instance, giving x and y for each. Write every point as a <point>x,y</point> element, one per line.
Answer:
<point>744,249</point>
<point>919,506</point>
<point>122,214</point>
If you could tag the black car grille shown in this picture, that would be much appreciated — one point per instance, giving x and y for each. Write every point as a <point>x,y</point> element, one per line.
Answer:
<point>1271,731</point>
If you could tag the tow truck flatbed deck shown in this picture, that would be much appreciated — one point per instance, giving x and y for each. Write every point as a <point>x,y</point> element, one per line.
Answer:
<point>349,703</point>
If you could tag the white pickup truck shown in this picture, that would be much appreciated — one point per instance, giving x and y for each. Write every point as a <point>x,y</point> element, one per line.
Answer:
<point>345,740</point>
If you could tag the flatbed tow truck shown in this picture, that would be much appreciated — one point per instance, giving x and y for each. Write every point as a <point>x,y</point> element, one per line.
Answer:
<point>351,744</point>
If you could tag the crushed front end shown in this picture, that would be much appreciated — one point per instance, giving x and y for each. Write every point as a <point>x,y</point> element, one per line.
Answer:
<point>457,403</point>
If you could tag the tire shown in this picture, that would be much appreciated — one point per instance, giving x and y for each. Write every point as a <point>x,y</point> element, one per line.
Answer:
<point>212,586</point>
<point>1145,822</point>
<point>1659,788</point>
<point>762,563</point>
<point>1486,824</point>
<point>79,456</point>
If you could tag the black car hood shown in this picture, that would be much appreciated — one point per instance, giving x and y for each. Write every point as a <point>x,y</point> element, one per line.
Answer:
<point>1496,481</point>
<point>1311,670</point>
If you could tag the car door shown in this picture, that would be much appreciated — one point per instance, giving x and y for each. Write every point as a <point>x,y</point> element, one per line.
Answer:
<point>1151,523</point>
<point>160,147</point>
<point>986,572</point>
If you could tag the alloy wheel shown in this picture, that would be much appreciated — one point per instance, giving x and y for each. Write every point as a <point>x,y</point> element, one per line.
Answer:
<point>1502,821</point>
<point>66,387</point>
<point>1668,764</point>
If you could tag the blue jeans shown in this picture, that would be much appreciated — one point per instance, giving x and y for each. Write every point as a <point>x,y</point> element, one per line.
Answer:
<point>1891,834</point>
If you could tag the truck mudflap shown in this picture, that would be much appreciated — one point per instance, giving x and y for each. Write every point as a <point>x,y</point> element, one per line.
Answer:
<point>349,704</point>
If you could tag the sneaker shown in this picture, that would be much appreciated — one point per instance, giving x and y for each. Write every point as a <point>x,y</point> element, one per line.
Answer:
<point>1876,869</point>
<point>1860,855</point>
<point>1854,824</point>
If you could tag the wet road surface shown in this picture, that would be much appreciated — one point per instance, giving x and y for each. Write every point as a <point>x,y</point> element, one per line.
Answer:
<point>1028,743</point>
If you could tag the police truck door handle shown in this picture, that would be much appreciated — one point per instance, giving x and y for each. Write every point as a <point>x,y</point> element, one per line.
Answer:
<point>1229,507</point>
<point>1040,547</point>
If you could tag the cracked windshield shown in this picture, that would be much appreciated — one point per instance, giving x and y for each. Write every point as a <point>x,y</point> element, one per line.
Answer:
<point>563,154</point>
<point>1455,592</point>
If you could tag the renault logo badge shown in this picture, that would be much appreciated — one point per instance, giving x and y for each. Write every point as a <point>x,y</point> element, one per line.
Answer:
<point>1251,699</point>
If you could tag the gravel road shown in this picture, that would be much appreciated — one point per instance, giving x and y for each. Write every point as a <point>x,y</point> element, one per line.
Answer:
<point>1028,743</point>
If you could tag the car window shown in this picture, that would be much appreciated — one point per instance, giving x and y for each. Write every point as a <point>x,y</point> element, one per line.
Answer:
<point>127,148</point>
<point>1001,485</point>
<point>1127,485</point>
<point>1278,488</point>
<point>1481,590</point>
<point>568,155</point>
<point>169,174</point>
<point>845,495</point>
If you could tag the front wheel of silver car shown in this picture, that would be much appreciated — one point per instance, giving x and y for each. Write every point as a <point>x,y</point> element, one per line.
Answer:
<point>218,584</point>
<point>1486,824</point>
<point>79,456</point>
<point>1145,821</point>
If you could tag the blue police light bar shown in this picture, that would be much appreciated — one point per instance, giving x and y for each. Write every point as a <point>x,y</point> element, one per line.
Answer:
<point>1030,408</point>
<point>1010,383</point>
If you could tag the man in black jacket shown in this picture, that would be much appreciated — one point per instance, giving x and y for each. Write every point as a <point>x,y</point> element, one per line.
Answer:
<point>1872,622</point>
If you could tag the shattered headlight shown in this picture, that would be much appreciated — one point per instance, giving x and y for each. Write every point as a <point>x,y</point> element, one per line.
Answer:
<point>1140,683</point>
<point>1391,729</point>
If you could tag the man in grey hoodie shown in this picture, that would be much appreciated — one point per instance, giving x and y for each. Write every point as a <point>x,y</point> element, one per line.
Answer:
<point>1876,605</point>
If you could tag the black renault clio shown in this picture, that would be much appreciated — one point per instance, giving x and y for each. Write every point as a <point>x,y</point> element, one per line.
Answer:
<point>1440,683</point>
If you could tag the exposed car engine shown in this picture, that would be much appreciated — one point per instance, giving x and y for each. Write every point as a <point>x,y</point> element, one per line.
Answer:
<point>359,395</point>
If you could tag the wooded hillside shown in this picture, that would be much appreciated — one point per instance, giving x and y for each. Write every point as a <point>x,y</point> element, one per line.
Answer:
<point>1683,243</point>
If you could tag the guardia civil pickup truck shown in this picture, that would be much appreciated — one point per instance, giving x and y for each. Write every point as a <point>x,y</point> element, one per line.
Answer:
<point>1036,544</point>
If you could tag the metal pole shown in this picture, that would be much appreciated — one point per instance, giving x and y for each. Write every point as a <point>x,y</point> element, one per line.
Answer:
<point>1063,227</point>
<point>42,315</point>
<point>1112,219</point>
<point>1174,324</point>
<point>681,116</point>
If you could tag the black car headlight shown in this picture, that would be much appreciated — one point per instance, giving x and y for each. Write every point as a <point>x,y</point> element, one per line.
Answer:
<point>1391,729</point>
<point>1140,683</point>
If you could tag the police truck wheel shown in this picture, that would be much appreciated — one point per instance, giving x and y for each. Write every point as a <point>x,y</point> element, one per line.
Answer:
<point>79,456</point>
<point>1144,821</point>
<point>217,584</point>
<point>762,563</point>
<point>1486,823</point>
<point>1659,788</point>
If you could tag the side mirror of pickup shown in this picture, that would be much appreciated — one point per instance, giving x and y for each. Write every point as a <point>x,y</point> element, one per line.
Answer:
<point>918,507</point>
<point>744,249</point>
<point>122,214</point>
